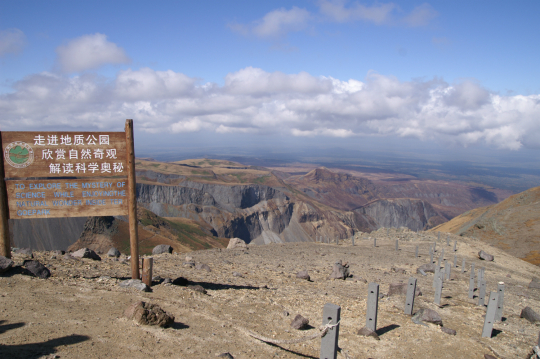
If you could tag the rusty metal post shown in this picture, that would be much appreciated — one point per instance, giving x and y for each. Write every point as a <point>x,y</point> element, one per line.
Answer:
<point>5,244</point>
<point>132,198</point>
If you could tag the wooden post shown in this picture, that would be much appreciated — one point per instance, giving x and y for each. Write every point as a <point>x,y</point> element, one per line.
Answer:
<point>372,306</point>
<point>132,199</point>
<point>409,301</point>
<point>5,244</point>
<point>329,343</point>
<point>148,264</point>
<point>490,315</point>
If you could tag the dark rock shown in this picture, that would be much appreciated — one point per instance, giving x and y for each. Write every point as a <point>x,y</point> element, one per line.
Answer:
<point>202,266</point>
<point>37,269</point>
<point>135,283</point>
<point>303,275</point>
<point>5,264</point>
<point>485,256</point>
<point>181,281</point>
<point>535,283</point>
<point>25,252</point>
<point>113,252</point>
<point>162,248</point>
<point>530,315</point>
<point>428,267</point>
<point>339,271</point>
<point>366,332</point>
<point>197,288</point>
<point>225,355</point>
<point>448,331</point>
<point>401,289</point>
<point>149,314</point>
<point>86,253</point>
<point>299,322</point>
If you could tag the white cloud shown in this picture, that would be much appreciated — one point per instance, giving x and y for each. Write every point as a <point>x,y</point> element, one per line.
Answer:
<point>420,15</point>
<point>12,41</point>
<point>255,101</point>
<point>337,11</point>
<point>275,23</point>
<point>89,52</point>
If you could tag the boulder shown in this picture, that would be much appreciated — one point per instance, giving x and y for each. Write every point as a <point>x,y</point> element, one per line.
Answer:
<point>113,252</point>
<point>86,253</point>
<point>135,283</point>
<point>149,314</point>
<point>25,252</point>
<point>299,322</point>
<point>5,264</point>
<point>339,271</point>
<point>485,256</point>
<point>303,275</point>
<point>162,248</point>
<point>236,243</point>
<point>37,269</point>
<point>428,267</point>
<point>427,315</point>
<point>530,315</point>
<point>535,283</point>
<point>202,266</point>
<point>401,289</point>
<point>448,331</point>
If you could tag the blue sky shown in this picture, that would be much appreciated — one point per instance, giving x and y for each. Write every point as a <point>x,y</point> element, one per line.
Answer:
<point>447,74</point>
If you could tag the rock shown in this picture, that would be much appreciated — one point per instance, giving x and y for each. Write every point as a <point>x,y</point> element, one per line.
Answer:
<point>197,288</point>
<point>487,356</point>
<point>398,270</point>
<point>135,283</point>
<point>339,271</point>
<point>428,267</point>
<point>149,314</point>
<point>299,322</point>
<point>167,281</point>
<point>202,266</point>
<point>59,253</point>
<point>401,289</point>
<point>427,315</point>
<point>181,281</point>
<point>535,283</point>
<point>303,275</point>
<point>448,331</point>
<point>366,332</point>
<point>236,274</point>
<point>113,252</point>
<point>483,255</point>
<point>37,269</point>
<point>189,264</point>
<point>421,271</point>
<point>5,264</point>
<point>236,243</point>
<point>225,355</point>
<point>86,253</point>
<point>530,315</point>
<point>162,248</point>
<point>188,259</point>
<point>24,251</point>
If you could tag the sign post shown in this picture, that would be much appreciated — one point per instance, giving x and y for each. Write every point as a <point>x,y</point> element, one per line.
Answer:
<point>68,174</point>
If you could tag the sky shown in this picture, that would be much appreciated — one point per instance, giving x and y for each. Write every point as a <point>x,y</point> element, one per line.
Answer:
<point>433,77</point>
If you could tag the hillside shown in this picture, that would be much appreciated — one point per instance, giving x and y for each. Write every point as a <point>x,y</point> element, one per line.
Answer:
<point>512,225</point>
<point>78,311</point>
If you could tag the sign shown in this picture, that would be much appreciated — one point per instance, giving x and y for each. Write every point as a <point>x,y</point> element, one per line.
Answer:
<point>64,154</point>
<point>67,198</point>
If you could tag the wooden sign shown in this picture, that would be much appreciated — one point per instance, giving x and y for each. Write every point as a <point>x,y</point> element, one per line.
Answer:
<point>67,198</point>
<point>64,154</point>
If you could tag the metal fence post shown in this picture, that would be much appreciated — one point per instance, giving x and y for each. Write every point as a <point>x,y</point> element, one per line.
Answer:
<point>438,291</point>
<point>500,302</point>
<point>416,252</point>
<point>397,245</point>
<point>490,315</point>
<point>471,282</point>
<point>329,343</point>
<point>372,306</point>
<point>409,301</point>
<point>482,294</point>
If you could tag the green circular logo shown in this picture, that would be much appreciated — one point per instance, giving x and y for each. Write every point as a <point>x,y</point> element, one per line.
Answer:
<point>19,154</point>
